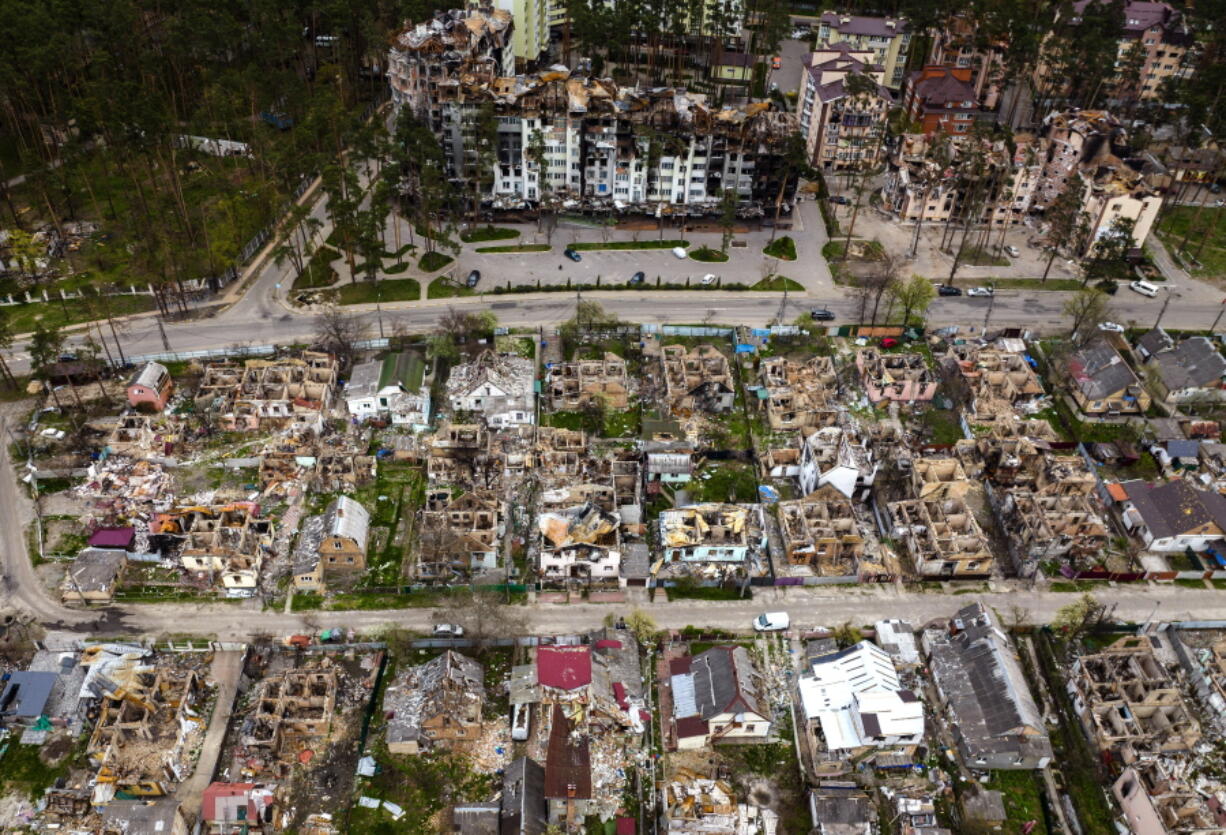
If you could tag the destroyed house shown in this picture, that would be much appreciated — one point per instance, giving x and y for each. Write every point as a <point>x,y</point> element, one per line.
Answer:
<point>996,381</point>
<point>838,457</point>
<point>458,453</point>
<point>459,537</point>
<point>1171,517</point>
<point>226,542</point>
<point>942,538</point>
<point>331,547</point>
<point>821,531</point>
<point>798,395</point>
<point>292,713</point>
<point>1042,528</point>
<point>1129,704</point>
<point>1101,382</point>
<point>499,387</point>
<point>579,542</point>
<point>979,679</point>
<point>564,673</point>
<point>718,695</point>
<point>1156,798</point>
<point>710,533</point>
<point>936,478</point>
<point>571,386</point>
<point>900,377</point>
<point>152,386</point>
<point>697,380</point>
<point>282,393</point>
<point>438,701</point>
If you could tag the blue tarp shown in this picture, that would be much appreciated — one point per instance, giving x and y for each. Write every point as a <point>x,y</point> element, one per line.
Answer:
<point>761,331</point>
<point>746,349</point>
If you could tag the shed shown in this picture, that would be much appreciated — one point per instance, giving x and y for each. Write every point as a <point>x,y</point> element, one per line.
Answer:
<point>26,694</point>
<point>121,538</point>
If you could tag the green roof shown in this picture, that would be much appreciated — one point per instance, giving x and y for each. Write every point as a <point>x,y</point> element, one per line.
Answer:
<point>406,368</point>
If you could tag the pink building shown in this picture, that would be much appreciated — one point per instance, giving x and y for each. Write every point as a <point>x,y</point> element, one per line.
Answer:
<point>152,384</point>
<point>902,377</point>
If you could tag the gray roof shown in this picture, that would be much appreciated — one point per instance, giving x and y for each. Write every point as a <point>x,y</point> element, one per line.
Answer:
<point>986,805</point>
<point>346,518</point>
<point>141,816</point>
<point>524,810</point>
<point>1155,342</point>
<point>841,807</point>
<point>871,26</point>
<point>1098,369</point>
<point>977,672</point>
<point>1193,363</point>
<point>95,569</point>
<point>1175,507</point>
<point>364,380</point>
<point>149,375</point>
<point>725,681</point>
<point>442,685</point>
<point>26,693</point>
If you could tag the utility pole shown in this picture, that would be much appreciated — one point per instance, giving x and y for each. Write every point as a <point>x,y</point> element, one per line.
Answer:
<point>1162,312</point>
<point>162,331</point>
<point>1220,310</point>
<point>987,317</point>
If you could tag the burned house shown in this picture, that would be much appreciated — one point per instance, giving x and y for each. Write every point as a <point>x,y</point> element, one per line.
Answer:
<point>580,542</point>
<point>697,380</point>
<point>571,386</point>
<point>446,69</point>
<point>1130,704</point>
<point>712,539</point>
<point>823,532</point>
<point>459,537</point>
<point>935,477</point>
<point>984,693</point>
<point>1063,528</point>
<point>290,392</point>
<point>900,377</point>
<point>458,454</point>
<point>226,543</point>
<point>498,387</point>
<point>798,395</point>
<point>996,382</point>
<point>942,538</point>
<point>1156,798</point>
<point>294,711</point>
<point>837,456</point>
<point>434,703</point>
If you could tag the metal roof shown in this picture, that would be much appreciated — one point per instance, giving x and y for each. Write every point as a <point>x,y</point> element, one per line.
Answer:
<point>346,518</point>
<point>26,693</point>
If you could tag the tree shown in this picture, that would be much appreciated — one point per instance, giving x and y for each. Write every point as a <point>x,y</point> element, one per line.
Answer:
<point>915,295</point>
<point>27,253</point>
<point>1112,246</point>
<point>793,164</point>
<point>588,316</point>
<point>846,634</point>
<point>1079,618</point>
<point>46,346</point>
<point>6,345</point>
<point>1087,309</point>
<point>727,217</point>
<point>337,332</point>
<point>642,626</point>
<point>1064,220</point>
<point>483,615</point>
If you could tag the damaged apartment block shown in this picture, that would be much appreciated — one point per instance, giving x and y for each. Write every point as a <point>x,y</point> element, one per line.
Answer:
<point>798,395</point>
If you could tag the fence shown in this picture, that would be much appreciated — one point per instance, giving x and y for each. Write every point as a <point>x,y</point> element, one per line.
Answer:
<point>28,297</point>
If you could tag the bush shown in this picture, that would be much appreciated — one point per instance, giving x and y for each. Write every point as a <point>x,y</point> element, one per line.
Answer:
<point>784,248</point>
<point>709,256</point>
<point>665,244</point>
<point>434,261</point>
<point>487,233</point>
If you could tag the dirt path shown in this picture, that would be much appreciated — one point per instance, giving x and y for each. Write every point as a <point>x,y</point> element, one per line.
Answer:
<point>226,671</point>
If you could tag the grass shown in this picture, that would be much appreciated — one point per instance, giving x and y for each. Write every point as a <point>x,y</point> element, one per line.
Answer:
<point>665,244</point>
<point>488,233</point>
<point>423,785</point>
<point>979,257</point>
<point>784,248</point>
<point>778,283</point>
<point>1021,793</point>
<point>622,424</point>
<point>432,262</point>
<point>725,481</point>
<point>1190,584</point>
<point>21,768</point>
<point>318,272</point>
<point>1065,285</point>
<point>1210,230</point>
<point>709,256</point>
<point>387,290</point>
<point>1075,586</point>
<point>516,248</point>
<point>865,250</point>
<point>23,318</point>
<point>445,288</point>
<point>1218,584</point>
<point>943,424</point>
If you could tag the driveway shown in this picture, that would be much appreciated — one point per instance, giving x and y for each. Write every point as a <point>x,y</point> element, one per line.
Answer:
<point>226,671</point>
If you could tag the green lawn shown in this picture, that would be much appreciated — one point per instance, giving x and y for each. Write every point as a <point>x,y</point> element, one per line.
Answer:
<point>1208,236</point>
<point>1023,803</point>
<point>944,425</point>
<point>621,424</point>
<point>422,785</point>
<point>979,257</point>
<point>724,481</point>
<point>22,318</point>
<point>778,283</point>
<point>387,290</point>
<point>861,249</point>
<point>445,288</point>
<point>784,248</point>
<point>488,233</point>
<point>516,248</point>
<point>665,244</point>
<point>22,769</point>
<point>318,272</point>
<point>432,262</point>
<point>1068,285</point>
<point>709,256</point>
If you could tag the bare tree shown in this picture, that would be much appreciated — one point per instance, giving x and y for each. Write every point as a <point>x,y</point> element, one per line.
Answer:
<point>337,332</point>
<point>483,615</point>
<point>1087,309</point>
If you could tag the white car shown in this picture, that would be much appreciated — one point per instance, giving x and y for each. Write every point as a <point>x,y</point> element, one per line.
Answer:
<point>680,252</point>
<point>979,291</point>
<point>1111,326</point>
<point>447,630</point>
<point>771,622</point>
<point>1144,288</point>
<point>709,278</point>
<point>1013,251</point>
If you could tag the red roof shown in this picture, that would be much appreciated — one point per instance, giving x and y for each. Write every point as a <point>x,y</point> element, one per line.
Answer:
<point>218,791</point>
<point>625,826</point>
<point>689,726</point>
<point>608,643</point>
<point>619,693</point>
<point>112,538</point>
<point>680,666</point>
<point>564,668</point>
<point>1117,492</point>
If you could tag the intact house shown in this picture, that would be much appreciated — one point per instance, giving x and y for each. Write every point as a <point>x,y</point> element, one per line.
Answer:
<point>434,703</point>
<point>500,387</point>
<point>717,696</point>
<point>697,380</point>
<point>332,547</point>
<point>394,386</point>
<point>856,700</point>
<point>1171,517</point>
<point>984,694</point>
<point>461,536</point>
<point>150,387</point>
<point>900,377</point>
<point>1188,371</point>
<point>1101,382</point>
<point>93,576</point>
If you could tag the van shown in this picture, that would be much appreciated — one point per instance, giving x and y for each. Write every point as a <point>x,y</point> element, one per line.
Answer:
<point>1144,288</point>
<point>771,622</point>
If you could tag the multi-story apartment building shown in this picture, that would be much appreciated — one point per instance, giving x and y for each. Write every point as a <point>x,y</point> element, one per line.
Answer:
<point>959,45</point>
<point>843,128</point>
<point>530,35</point>
<point>941,99</point>
<point>886,37</point>
<point>602,143</point>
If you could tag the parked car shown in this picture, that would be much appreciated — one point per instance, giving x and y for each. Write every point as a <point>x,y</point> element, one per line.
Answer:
<point>709,278</point>
<point>1111,326</point>
<point>1144,288</point>
<point>776,63</point>
<point>1215,189</point>
<point>473,278</point>
<point>638,278</point>
<point>680,252</point>
<point>771,622</point>
<point>889,342</point>
<point>980,291</point>
<point>840,199</point>
<point>948,290</point>
<point>1013,251</point>
<point>572,255</point>
<point>447,630</point>
<point>821,314</point>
